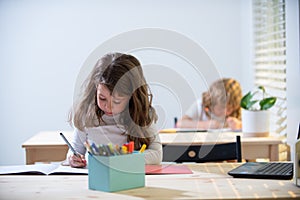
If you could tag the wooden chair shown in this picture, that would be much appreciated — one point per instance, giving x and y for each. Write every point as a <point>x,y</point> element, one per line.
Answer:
<point>203,153</point>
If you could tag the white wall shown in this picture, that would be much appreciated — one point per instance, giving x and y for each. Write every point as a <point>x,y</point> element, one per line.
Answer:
<point>44,44</point>
<point>293,72</point>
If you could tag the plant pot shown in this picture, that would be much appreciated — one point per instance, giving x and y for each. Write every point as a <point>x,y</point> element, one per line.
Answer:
<point>256,123</point>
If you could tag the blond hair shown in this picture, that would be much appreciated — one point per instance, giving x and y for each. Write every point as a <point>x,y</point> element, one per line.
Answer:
<point>227,92</point>
<point>123,74</point>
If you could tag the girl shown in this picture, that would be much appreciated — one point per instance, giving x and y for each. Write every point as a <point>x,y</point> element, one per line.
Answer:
<point>115,107</point>
<point>220,107</point>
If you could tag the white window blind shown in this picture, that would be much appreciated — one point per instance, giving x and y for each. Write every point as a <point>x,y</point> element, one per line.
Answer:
<point>270,56</point>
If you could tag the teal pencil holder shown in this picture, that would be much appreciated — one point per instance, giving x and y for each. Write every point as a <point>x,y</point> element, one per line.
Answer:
<point>115,173</point>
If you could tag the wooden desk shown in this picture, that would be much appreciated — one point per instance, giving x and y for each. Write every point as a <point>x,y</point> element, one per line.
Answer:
<point>209,181</point>
<point>46,146</point>
<point>49,146</point>
<point>252,147</point>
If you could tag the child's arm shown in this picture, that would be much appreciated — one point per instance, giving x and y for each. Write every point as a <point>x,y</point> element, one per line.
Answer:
<point>187,122</point>
<point>234,123</point>
<point>153,153</point>
<point>75,161</point>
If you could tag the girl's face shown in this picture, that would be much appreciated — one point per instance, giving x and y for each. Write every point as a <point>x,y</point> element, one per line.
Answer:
<point>110,104</point>
<point>221,111</point>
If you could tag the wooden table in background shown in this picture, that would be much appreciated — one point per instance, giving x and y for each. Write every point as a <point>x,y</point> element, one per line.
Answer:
<point>48,146</point>
<point>252,147</point>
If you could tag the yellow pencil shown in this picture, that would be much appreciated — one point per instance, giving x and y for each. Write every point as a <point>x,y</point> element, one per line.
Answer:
<point>124,149</point>
<point>168,130</point>
<point>143,148</point>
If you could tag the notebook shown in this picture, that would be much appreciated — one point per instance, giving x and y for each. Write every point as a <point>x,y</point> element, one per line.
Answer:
<point>42,169</point>
<point>264,170</point>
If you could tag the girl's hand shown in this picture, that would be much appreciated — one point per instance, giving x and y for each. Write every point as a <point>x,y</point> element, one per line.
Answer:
<point>234,123</point>
<point>76,161</point>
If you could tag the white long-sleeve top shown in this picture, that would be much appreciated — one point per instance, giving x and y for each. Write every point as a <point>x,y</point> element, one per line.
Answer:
<point>195,111</point>
<point>113,133</point>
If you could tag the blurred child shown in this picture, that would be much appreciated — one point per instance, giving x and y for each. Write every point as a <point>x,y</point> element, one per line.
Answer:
<point>219,107</point>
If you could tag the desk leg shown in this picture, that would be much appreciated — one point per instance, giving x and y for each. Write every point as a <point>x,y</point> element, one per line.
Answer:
<point>274,152</point>
<point>30,156</point>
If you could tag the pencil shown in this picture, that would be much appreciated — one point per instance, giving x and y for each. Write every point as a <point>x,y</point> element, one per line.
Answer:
<point>69,145</point>
<point>176,130</point>
<point>143,148</point>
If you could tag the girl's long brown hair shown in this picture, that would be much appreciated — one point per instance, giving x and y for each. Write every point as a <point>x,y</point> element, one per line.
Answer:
<point>123,74</point>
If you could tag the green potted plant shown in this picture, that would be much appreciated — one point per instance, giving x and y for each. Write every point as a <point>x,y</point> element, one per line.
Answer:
<point>255,112</point>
